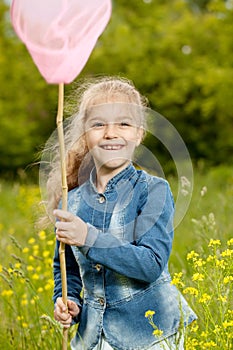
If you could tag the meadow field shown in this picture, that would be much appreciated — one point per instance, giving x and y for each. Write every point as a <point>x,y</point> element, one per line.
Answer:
<point>201,266</point>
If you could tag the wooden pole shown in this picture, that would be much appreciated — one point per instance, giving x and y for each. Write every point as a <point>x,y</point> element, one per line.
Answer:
<point>64,200</point>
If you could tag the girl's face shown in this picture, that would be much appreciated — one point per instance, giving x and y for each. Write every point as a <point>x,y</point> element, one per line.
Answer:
<point>112,132</point>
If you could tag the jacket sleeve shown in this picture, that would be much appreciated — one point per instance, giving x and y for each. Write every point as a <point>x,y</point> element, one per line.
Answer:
<point>74,284</point>
<point>145,257</point>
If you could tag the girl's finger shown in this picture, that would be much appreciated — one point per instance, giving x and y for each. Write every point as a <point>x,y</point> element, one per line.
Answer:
<point>61,225</point>
<point>60,304</point>
<point>59,235</point>
<point>63,215</point>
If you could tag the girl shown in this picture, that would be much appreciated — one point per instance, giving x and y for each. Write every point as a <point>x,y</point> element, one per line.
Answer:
<point>117,230</point>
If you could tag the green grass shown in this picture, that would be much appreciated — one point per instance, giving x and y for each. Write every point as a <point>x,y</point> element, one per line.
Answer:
<point>26,307</point>
<point>216,199</point>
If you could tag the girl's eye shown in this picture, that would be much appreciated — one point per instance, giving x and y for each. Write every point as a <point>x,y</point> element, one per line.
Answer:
<point>97,125</point>
<point>124,124</point>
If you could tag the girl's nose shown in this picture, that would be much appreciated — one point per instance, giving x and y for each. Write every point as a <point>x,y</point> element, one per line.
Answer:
<point>110,131</point>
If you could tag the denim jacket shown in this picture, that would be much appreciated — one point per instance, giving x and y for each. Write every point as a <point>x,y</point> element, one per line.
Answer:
<point>122,270</point>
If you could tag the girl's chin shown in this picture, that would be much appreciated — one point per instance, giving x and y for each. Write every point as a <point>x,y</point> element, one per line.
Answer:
<point>114,164</point>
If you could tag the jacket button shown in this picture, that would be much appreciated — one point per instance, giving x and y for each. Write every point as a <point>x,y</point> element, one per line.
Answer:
<point>101,200</point>
<point>101,301</point>
<point>98,267</point>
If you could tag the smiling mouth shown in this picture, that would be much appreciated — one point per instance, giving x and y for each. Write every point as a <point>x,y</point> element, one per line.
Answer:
<point>112,147</point>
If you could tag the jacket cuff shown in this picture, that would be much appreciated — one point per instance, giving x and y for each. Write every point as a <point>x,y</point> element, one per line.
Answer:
<point>92,235</point>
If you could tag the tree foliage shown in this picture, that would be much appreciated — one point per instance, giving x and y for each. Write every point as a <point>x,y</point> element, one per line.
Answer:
<point>178,53</point>
<point>27,104</point>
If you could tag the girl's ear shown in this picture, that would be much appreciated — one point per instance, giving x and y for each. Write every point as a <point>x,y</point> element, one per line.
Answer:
<point>140,135</point>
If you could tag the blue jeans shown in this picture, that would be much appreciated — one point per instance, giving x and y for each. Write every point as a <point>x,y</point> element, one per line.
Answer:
<point>168,344</point>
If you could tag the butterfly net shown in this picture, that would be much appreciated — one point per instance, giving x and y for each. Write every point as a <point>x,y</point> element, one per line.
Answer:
<point>60,34</point>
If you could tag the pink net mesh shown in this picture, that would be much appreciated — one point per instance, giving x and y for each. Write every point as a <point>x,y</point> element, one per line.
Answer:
<point>60,34</point>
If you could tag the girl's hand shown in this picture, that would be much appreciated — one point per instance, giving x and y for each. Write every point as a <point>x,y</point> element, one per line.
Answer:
<point>71,229</point>
<point>61,315</point>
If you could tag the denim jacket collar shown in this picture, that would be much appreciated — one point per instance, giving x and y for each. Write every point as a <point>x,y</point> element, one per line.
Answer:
<point>126,173</point>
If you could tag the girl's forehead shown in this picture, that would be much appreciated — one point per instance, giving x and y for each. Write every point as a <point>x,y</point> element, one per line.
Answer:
<point>113,112</point>
<point>110,97</point>
<point>113,109</point>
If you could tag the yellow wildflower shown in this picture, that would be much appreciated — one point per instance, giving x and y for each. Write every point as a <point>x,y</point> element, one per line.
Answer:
<point>44,327</point>
<point>217,329</point>
<point>227,279</point>
<point>30,268</point>
<point>7,292</point>
<point>35,276</point>
<point>210,344</point>
<point>46,253</point>
<point>220,263</point>
<point>227,252</point>
<point>177,279</point>
<point>24,302</point>
<point>49,261</point>
<point>149,313</point>
<point>214,242</point>
<point>31,241</point>
<point>17,265</point>
<point>194,326</point>
<point>35,247</point>
<point>191,291</point>
<point>199,263</point>
<point>198,277</point>
<point>25,250</point>
<point>227,324</point>
<point>49,285</point>
<point>223,299</point>
<point>210,258</point>
<point>42,235</point>
<point>192,343</point>
<point>192,255</point>
<point>157,333</point>
<point>1,268</point>
<point>204,298</point>
<point>24,325</point>
<point>230,242</point>
<point>50,242</point>
<point>204,334</point>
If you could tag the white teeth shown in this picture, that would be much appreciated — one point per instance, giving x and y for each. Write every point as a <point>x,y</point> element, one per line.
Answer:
<point>112,147</point>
